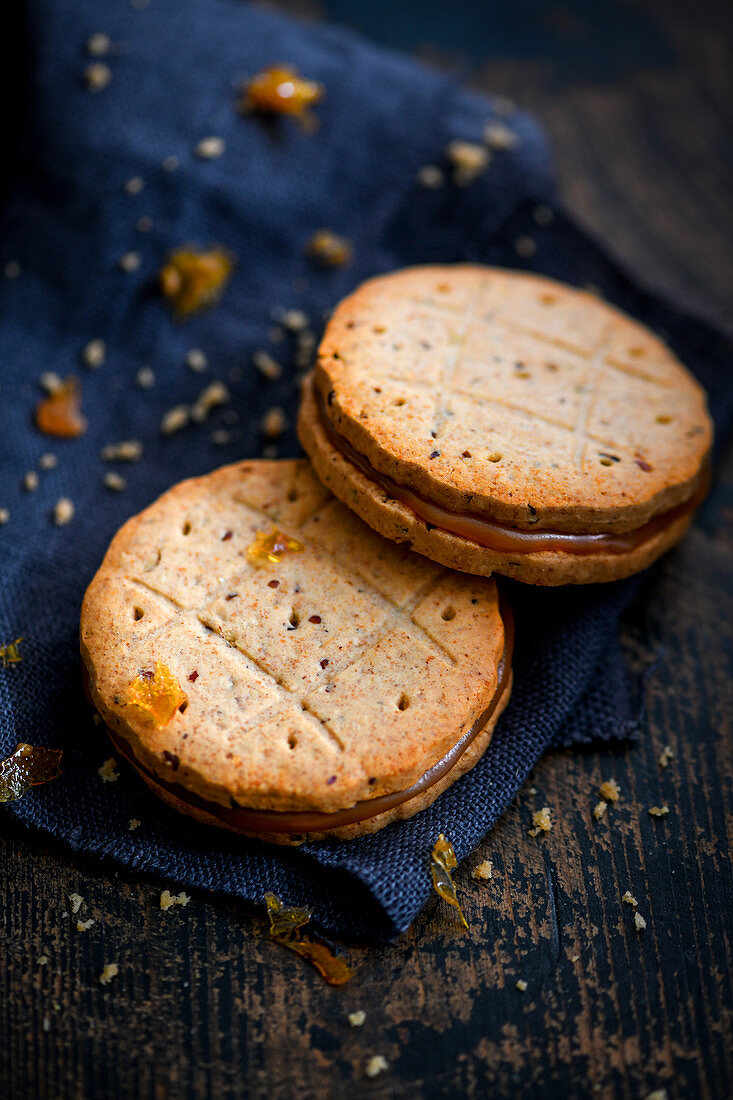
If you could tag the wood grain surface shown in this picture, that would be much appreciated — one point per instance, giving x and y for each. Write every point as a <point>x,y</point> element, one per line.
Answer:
<point>205,1006</point>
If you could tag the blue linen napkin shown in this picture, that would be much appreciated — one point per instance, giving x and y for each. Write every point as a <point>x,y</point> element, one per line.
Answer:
<point>67,222</point>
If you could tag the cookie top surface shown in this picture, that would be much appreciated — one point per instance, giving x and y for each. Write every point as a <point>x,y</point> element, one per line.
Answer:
<point>340,673</point>
<point>510,395</point>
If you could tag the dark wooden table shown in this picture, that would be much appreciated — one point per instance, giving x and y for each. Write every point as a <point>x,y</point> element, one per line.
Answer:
<point>637,101</point>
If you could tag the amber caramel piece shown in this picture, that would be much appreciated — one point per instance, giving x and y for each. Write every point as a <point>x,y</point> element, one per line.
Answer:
<point>280,90</point>
<point>272,547</point>
<point>27,767</point>
<point>285,924</point>
<point>329,249</point>
<point>442,862</point>
<point>158,694</point>
<point>193,278</point>
<point>10,653</point>
<point>60,413</point>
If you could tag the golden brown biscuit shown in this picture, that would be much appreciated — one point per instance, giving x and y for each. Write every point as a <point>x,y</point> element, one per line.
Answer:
<point>504,422</point>
<point>323,694</point>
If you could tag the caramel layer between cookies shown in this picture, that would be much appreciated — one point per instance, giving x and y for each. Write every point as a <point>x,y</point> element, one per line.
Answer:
<point>500,537</point>
<point>297,823</point>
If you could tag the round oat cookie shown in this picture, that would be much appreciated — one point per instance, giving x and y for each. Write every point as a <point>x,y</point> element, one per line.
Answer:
<point>504,422</point>
<point>321,694</point>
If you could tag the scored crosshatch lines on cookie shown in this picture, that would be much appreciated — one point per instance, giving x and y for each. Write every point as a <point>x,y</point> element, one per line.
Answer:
<point>402,614</point>
<point>532,355</point>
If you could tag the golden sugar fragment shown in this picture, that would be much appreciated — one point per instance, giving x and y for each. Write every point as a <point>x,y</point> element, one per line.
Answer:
<point>285,924</point>
<point>272,547</point>
<point>158,694</point>
<point>329,249</point>
<point>442,862</point>
<point>193,278</point>
<point>27,767</point>
<point>60,413</point>
<point>281,90</point>
<point>10,653</point>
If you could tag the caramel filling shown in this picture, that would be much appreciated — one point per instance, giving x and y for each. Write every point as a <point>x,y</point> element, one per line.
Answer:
<point>314,821</point>
<point>500,537</point>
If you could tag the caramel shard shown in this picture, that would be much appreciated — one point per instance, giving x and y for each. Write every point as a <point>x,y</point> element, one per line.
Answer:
<point>60,414</point>
<point>27,767</point>
<point>157,694</point>
<point>521,985</point>
<point>280,90</point>
<point>541,821</point>
<point>285,924</point>
<point>272,547</point>
<point>610,790</point>
<point>442,862</point>
<point>10,653</point>
<point>329,249</point>
<point>193,278</point>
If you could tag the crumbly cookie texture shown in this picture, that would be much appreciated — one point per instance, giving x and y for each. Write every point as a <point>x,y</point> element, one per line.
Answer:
<point>508,394</point>
<point>337,674</point>
<point>397,521</point>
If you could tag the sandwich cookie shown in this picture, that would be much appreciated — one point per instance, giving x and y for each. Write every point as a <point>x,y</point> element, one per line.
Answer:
<point>504,422</point>
<point>270,665</point>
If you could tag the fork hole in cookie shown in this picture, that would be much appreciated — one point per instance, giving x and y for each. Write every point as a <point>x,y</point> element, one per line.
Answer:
<point>292,741</point>
<point>403,702</point>
<point>664,420</point>
<point>293,495</point>
<point>294,620</point>
<point>186,529</point>
<point>399,402</point>
<point>448,613</point>
<point>137,614</point>
<point>183,707</point>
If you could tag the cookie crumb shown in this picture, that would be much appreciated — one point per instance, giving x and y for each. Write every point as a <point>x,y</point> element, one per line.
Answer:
<point>48,462</point>
<point>294,320</point>
<point>168,900</point>
<point>356,1019</point>
<point>521,985</point>
<point>43,960</point>
<point>134,823</point>
<point>209,148</point>
<point>114,481</point>
<point>134,185</point>
<point>196,360</point>
<point>268,367</point>
<point>658,1094</point>
<point>541,821</point>
<point>84,925</point>
<point>97,76</point>
<point>525,247</point>
<point>274,422</point>
<point>328,249</point>
<point>629,898</point>
<point>210,398</point>
<point>639,922</point>
<point>129,262</point>
<point>666,756</point>
<point>484,870</point>
<point>12,270</point>
<point>63,512</point>
<point>599,810</point>
<point>430,176</point>
<point>575,958</point>
<point>174,420</point>
<point>4,516</point>
<point>169,164</point>
<point>659,811</point>
<point>499,137</point>
<point>94,354</point>
<point>76,902</point>
<point>30,481</point>
<point>98,45</point>
<point>111,970</point>
<point>377,1064</point>
<point>109,771</point>
<point>128,450</point>
<point>610,790</point>
<point>50,381</point>
<point>145,378</point>
<point>46,1023</point>
<point>144,224</point>
<point>468,159</point>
